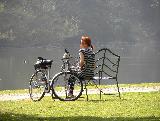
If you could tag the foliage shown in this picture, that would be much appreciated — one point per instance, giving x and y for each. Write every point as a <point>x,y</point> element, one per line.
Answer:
<point>1,7</point>
<point>32,21</point>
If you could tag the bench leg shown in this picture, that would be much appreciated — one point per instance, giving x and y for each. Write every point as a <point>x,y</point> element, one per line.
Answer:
<point>86,91</point>
<point>100,94</point>
<point>118,89</point>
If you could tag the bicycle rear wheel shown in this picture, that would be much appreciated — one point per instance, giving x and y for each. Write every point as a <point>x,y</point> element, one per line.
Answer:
<point>60,87</point>
<point>37,86</point>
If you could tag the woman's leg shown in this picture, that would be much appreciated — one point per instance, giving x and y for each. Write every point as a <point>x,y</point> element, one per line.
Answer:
<point>71,81</point>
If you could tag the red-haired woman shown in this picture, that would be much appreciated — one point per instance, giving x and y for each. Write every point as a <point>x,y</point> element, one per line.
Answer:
<point>86,62</point>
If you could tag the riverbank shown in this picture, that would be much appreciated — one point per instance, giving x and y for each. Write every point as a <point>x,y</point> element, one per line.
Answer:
<point>11,95</point>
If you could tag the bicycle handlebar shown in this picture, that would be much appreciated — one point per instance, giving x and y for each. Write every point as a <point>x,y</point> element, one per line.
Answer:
<point>66,55</point>
<point>66,51</point>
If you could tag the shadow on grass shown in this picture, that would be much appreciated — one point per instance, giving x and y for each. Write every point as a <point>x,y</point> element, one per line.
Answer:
<point>23,117</point>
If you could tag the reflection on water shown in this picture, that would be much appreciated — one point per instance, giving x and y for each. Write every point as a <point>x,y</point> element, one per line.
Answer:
<point>17,66</point>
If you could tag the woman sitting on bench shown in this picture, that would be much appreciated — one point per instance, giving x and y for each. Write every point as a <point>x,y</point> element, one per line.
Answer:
<point>86,62</point>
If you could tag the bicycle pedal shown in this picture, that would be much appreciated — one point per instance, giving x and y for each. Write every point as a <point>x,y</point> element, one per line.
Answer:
<point>46,91</point>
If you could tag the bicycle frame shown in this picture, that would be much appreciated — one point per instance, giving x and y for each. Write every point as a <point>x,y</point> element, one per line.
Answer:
<point>63,69</point>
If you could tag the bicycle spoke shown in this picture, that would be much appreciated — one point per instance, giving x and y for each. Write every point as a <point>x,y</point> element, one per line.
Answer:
<point>37,86</point>
<point>62,89</point>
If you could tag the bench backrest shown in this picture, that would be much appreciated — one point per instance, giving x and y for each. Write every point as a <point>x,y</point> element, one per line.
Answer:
<point>107,64</point>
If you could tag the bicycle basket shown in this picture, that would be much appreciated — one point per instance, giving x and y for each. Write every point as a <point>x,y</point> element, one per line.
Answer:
<point>43,64</point>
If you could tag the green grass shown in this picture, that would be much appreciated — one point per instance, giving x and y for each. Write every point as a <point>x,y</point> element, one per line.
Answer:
<point>132,106</point>
<point>90,86</point>
<point>20,91</point>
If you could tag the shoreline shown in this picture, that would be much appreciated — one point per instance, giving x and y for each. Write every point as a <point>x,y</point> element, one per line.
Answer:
<point>24,96</point>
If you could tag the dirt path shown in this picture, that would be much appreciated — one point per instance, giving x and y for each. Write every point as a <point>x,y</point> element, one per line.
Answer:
<point>12,97</point>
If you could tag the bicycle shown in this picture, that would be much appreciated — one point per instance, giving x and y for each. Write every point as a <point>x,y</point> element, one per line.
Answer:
<point>40,82</point>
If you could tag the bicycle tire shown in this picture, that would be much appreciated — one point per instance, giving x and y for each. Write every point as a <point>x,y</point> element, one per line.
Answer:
<point>60,87</point>
<point>37,86</point>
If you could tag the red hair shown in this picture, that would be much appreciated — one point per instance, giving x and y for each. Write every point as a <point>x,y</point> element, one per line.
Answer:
<point>87,40</point>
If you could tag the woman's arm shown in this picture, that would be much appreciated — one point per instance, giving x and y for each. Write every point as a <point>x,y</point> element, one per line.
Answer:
<point>81,61</point>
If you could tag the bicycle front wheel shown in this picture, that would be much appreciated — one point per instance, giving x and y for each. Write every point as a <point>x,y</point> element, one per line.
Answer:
<point>61,87</point>
<point>37,86</point>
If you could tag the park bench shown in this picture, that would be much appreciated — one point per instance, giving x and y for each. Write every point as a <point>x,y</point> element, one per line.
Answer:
<point>107,67</point>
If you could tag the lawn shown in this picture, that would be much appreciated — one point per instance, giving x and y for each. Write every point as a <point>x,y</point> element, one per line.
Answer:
<point>144,106</point>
